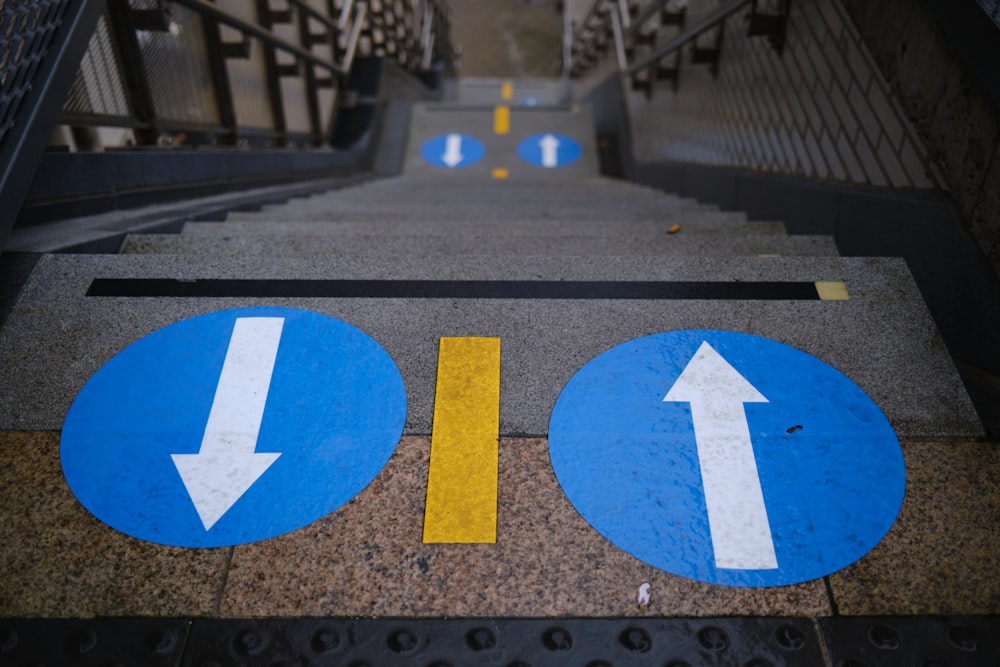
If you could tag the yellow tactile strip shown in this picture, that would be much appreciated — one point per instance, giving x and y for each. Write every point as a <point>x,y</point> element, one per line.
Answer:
<point>942,557</point>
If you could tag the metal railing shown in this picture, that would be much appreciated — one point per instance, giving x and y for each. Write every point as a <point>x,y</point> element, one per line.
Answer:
<point>630,27</point>
<point>264,73</point>
<point>41,43</point>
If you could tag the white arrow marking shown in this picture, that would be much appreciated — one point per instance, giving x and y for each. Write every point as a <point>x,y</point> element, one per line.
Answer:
<point>550,151</point>
<point>227,464</point>
<point>453,150</point>
<point>737,517</point>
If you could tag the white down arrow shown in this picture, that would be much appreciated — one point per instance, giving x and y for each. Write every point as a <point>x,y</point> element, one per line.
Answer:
<point>227,464</point>
<point>453,150</point>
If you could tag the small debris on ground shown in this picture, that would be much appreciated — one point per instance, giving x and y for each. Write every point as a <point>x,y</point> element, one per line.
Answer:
<point>642,597</point>
<point>674,229</point>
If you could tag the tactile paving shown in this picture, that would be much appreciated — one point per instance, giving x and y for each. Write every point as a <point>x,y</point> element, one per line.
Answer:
<point>924,641</point>
<point>736,642</point>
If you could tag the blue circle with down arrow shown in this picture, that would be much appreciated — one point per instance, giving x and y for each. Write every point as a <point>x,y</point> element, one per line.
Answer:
<point>727,458</point>
<point>453,151</point>
<point>233,427</point>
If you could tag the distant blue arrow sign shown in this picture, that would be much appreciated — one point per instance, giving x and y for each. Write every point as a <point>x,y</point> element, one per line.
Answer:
<point>727,458</point>
<point>233,427</point>
<point>453,151</point>
<point>549,150</point>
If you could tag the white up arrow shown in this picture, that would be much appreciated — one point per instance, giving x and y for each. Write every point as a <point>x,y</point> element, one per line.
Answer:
<point>453,150</point>
<point>737,517</point>
<point>550,151</point>
<point>227,464</point>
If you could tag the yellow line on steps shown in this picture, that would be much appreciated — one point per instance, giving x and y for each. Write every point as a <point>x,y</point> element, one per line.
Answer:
<point>461,503</point>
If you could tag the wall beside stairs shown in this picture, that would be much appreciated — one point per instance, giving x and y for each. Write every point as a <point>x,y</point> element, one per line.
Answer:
<point>941,65</point>
<point>815,138</point>
<point>821,110</point>
<point>848,102</point>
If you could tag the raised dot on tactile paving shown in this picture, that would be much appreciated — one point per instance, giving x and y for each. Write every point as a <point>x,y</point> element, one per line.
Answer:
<point>884,638</point>
<point>557,639</point>
<point>480,639</point>
<point>402,641</point>
<point>636,640</point>
<point>162,642</point>
<point>325,640</point>
<point>82,642</point>
<point>8,640</point>
<point>713,639</point>
<point>790,638</point>
<point>249,643</point>
<point>964,639</point>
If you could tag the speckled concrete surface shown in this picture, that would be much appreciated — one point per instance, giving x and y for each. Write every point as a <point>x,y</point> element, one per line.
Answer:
<point>368,559</point>
<point>58,560</point>
<point>942,556</point>
<point>882,338</point>
<point>443,245</point>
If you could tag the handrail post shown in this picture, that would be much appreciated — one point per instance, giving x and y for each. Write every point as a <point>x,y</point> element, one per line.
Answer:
<point>352,40</point>
<point>616,27</point>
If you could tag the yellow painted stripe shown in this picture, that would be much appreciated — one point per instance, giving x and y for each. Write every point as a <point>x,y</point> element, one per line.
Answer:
<point>507,90</point>
<point>461,503</point>
<point>832,291</point>
<point>500,173</point>
<point>501,120</point>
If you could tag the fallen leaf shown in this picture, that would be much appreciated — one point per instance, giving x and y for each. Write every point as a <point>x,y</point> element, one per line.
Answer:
<point>674,229</point>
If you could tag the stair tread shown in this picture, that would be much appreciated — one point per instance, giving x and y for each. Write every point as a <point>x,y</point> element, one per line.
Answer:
<point>882,337</point>
<point>477,243</point>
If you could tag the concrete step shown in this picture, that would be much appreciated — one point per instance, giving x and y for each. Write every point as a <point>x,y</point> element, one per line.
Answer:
<point>483,90</point>
<point>476,242</point>
<point>482,212</point>
<point>882,337</point>
<point>501,144</point>
<point>392,225</point>
<point>433,190</point>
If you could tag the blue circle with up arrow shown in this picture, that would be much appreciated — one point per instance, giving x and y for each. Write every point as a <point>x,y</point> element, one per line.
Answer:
<point>233,427</point>
<point>549,150</point>
<point>727,458</point>
<point>453,151</point>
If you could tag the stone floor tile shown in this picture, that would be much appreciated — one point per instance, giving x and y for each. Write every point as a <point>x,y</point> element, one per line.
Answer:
<point>59,561</point>
<point>943,554</point>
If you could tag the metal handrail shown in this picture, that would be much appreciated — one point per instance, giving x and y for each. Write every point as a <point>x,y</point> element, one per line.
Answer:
<point>252,29</point>
<point>354,36</point>
<point>712,19</point>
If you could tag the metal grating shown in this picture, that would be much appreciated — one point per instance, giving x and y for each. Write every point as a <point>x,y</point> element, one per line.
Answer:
<point>26,31</point>
<point>178,71</point>
<point>247,77</point>
<point>99,88</point>
<point>992,9</point>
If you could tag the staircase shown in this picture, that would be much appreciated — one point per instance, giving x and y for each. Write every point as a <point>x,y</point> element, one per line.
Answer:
<point>561,264</point>
<point>535,225</point>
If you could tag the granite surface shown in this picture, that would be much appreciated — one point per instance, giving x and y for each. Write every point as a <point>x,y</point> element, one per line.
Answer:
<point>883,338</point>
<point>942,556</point>
<point>368,559</point>
<point>59,561</point>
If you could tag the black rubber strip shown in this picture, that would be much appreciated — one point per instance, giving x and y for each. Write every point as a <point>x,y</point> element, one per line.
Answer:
<point>454,289</point>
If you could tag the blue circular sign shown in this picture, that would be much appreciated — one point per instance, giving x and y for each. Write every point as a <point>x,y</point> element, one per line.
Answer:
<point>727,458</point>
<point>453,151</point>
<point>549,150</point>
<point>233,427</point>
